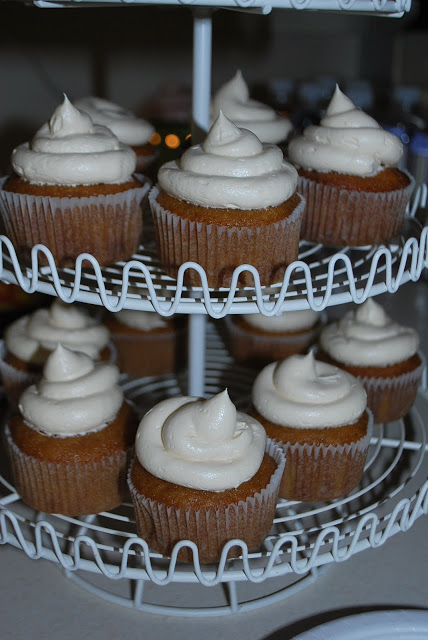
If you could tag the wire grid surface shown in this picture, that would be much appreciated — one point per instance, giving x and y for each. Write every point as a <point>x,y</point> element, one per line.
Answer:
<point>304,537</point>
<point>321,277</point>
<point>394,8</point>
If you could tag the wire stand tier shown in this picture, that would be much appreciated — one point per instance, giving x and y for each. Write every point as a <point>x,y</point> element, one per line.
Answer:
<point>103,554</point>
<point>322,276</point>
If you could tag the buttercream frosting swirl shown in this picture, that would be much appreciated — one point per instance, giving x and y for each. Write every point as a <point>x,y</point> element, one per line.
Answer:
<point>75,395</point>
<point>71,150</point>
<point>142,320</point>
<point>347,141</point>
<point>303,393</point>
<point>368,336</point>
<point>31,336</point>
<point>231,169</point>
<point>125,125</point>
<point>284,322</point>
<point>233,99</point>
<point>202,444</point>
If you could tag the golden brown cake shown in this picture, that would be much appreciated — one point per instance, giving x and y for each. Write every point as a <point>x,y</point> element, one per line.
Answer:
<point>211,500</point>
<point>318,414</point>
<point>69,449</point>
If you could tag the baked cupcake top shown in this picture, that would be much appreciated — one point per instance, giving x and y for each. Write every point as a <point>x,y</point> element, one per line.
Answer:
<point>142,320</point>
<point>231,169</point>
<point>75,395</point>
<point>29,337</point>
<point>202,444</point>
<point>303,393</point>
<point>367,336</point>
<point>71,150</point>
<point>125,125</point>
<point>287,321</point>
<point>233,99</point>
<point>347,141</point>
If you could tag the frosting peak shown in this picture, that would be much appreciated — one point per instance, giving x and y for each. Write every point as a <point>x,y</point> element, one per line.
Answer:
<point>65,365</point>
<point>203,444</point>
<point>67,120</point>
<point>347,141</point>
<point>230,170</point>
<point>303,393</point>
<point>233,98</point>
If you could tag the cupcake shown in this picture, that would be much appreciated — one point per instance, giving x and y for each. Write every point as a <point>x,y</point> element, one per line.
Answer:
<point>203,472</point>
<point>73,190</point>
<point>318,413</point>
<point>146,343</point>
<point>228,202</point>
<point>354,193</point>
<point>256,339</point>
<point>69,446</point>
<point>29,341</point>
<point>381,353</point>
<point>128,129</point>
<point>233,99</point>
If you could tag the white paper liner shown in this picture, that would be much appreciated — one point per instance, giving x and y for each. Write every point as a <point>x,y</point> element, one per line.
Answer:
<point>219,249</point>
<point>247,346</point>
<point>250,521</point>
<point>108,227</point>
<point>340,217</point>
<point>68,488</point>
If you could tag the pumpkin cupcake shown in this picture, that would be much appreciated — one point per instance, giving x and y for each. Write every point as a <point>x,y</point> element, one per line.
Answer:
<point>354,193</point>
<point>228,202</point>
<point>318,412</point>
<point>125,125</point>
<point>69,447</point>
<point>203,472</point>
<point>381,353</point>
<point>29,340</point>
<point>73,190</point>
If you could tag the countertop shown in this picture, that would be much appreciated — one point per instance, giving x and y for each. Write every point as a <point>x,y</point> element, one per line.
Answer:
<point>38,601</point>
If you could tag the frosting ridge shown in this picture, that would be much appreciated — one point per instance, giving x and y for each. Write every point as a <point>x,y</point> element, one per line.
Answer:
<point>143,320</point>
<point>231,169</point>
<point>287,321</point>
<point>346,141</point>
<point>304,393</point>
<point>202,444</point>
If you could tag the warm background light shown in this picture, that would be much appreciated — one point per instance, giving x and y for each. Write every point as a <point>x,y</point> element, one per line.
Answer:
<point>155,139</point>
<point>172,141</point>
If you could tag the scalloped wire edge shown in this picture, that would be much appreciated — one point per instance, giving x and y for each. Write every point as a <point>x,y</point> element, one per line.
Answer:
<point>365,535</point>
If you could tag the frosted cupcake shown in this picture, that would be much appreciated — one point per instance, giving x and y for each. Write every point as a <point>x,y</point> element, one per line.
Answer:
<point>354,193</point>
<point>227,202</point>
<point>29,341</point>
<point>203,472</point>
<point>381,353</point>
<point>318,412</point>
<point>233,99</point>
<point>146,343</point>
<point>125,125</point>
<point>73,190</point>
<point>69,447</point>
<point>257,339</point>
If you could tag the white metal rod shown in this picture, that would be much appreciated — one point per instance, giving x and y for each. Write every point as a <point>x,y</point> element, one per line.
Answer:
<point>196,354</point>
<point>202,42</point>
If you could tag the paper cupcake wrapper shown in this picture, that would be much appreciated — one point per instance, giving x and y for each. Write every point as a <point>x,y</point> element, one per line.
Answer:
<point>163,526</point>
<point>340,217</point>
<point>248,346</point>
<point>68,488</point>
<point>108,227</point>
<point>219,249</point>
<point>391,398</point>
<point>316,473</point>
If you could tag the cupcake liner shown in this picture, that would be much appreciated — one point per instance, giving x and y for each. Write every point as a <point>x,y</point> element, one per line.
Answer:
<point>391,398</point>
<point>68,488</point>
<point>108,227</point>
<point>14,380</point>
<point>340,217</point>
<point>316,473</point>
<point>219,249</point>
<point>163,526</point>
<point>247,346</point>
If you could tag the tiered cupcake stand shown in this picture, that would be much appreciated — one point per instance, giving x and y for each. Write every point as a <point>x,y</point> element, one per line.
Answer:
<point>102,552</point>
